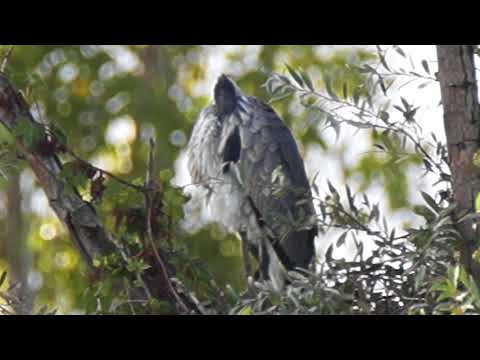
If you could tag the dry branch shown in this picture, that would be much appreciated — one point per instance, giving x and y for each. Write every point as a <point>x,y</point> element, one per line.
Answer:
<point>79,216</point>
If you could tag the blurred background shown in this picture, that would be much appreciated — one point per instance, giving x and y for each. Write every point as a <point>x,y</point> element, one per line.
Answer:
<point>111,99</point>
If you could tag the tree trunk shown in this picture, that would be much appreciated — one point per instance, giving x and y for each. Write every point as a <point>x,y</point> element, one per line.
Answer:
<point>456,73</point>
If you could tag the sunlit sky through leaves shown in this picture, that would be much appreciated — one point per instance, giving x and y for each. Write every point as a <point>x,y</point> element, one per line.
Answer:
<point>216,60</point>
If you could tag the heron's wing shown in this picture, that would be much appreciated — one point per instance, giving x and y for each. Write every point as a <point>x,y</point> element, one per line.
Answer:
<point>272,169</point>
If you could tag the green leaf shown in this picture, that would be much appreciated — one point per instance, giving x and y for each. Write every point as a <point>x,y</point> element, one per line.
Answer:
<point>454,273</point>
<point>30,133</point>
<point>174,198</point>
<point>383,62</point>
<point>68,170</point>
<point>477,203</point>
<point>160,307</point>
<point>425,212</point>
<point>400,51</point>
<point>232,295</point>
<point>366,69</point>
<point>97,263</point>
<point>332,189</point>
<point>430,201</point>
<point>247,310</point>
<point>2,278</point>
<point>296,77</point>
<point>328,254</point>
<point>73,175</point>
<point>43,310</point>
<point>59,135</point>
<point>356,96</point>
<point>474,288</point>
<point>423,85</point>
<point>369,69</point>
<point>341,239</point>
<point>382,86</point>
<point>308,81</point>
<point>138,181</point>
<point>288,92</point>
<point>384,116</point>
<point>166,175</point>
<point>137,266</point>
<point>425,66</point>
<point>476,159</point>
<point>275,298</point>
<point>328,86</point>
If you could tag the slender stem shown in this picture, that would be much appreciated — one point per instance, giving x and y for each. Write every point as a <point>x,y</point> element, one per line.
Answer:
<point>149,185</point>
<point>6,58</point>
<point>114,177</point>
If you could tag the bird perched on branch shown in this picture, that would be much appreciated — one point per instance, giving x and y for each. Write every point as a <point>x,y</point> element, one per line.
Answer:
<point>254,181</point>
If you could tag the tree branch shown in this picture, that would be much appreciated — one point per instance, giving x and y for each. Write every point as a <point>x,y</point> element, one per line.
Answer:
<point>76,214</point>
<point>79,216</point>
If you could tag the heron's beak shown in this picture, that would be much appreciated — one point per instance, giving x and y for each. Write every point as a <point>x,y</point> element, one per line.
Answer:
<point>225,95</point>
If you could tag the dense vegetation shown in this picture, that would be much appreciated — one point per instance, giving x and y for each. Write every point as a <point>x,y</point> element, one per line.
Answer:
<point>98,110</point>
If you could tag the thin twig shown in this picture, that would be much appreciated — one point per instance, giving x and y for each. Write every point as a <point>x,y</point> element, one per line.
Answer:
<point>104,172</point>
<point>150,190</point>
<point>6,59</point>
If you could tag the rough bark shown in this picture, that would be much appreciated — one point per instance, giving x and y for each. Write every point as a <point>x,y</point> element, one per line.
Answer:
<point>456,73</point>
<point>77,215</point>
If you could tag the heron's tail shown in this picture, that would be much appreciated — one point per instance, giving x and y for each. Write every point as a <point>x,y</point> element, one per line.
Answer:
<point>271,266</point>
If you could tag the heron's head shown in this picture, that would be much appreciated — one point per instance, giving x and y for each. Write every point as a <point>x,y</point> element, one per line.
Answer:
<point>226,95</point>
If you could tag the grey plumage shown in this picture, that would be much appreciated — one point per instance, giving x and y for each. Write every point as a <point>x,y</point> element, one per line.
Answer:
<point>246,157</point>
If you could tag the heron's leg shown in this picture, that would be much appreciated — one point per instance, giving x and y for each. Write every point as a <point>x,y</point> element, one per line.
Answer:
<point>246,259</point>
<point>264,260</point>
<point>246,256</point>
